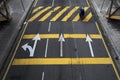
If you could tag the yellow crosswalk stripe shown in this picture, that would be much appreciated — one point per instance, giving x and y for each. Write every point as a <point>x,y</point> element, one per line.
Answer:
<point>77,17</point>
<point>61,61</point>
<point>59,14</point>
<point>38,14</point>
<point>49,14</point>
<point>88,17</point>
<point>69,14</point>
<point>35,10</point>
<point>45,36</point>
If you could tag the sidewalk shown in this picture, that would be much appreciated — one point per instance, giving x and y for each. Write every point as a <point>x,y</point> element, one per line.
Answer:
<point>9,30</point>
<point>111,29</point>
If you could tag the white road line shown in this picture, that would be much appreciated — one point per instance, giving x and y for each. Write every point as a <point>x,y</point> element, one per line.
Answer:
<point>46,48</point>
<point>43,76</point>
<point>49,26</point>
<point>35,3</point>
<point>52,3</point>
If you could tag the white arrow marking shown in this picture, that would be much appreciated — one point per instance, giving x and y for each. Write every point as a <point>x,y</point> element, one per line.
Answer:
<point>32,50</point>
<point>89,40</point>
<point>61,40</point>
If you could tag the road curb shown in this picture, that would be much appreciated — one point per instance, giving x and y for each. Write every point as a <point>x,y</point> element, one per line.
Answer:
<point>103,22</point>
<point>13,39</point>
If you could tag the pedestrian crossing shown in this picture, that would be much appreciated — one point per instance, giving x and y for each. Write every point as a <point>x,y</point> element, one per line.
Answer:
<point>59,13</point>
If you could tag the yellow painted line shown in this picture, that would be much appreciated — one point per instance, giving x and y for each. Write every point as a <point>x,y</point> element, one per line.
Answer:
<point>61,61</point>
<point>86,8</point>
<point>59,14</point>
<point>45,36</point>
<point>113,17</point>
<point>117,74</point>
<point>35,10</point>
<point>95,36</point>
<point>77,17</point>
<point>70,14</point>
<point>38,14</point>
<point>88,17</point>
<point>49,14</point>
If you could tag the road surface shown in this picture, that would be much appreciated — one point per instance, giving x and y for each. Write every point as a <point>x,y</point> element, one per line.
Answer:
<point>57,45</point>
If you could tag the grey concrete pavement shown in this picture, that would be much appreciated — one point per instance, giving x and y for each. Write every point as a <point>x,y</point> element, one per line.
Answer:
<point>111,29</point>
<point>9,30</point>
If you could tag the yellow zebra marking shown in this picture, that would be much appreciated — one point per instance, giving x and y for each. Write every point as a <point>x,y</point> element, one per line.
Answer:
<point>49,14</point>
<point>69,14</point>
<point>45,36</point>
<point>35,10</point>
<point>59,14</point>
<point>88,17</point>
<point>61,61</point>
<point>38,14</point>
<point>77,17</point>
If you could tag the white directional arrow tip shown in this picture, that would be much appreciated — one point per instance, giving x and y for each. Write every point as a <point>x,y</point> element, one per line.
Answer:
<point>88,39</point>
<point>61,38</point>
<point>37,37</point>
<point>25,46</point>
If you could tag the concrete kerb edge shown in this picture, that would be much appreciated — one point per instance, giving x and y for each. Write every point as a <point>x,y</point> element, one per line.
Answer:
<point>16,32</point>
<point>100,17</point>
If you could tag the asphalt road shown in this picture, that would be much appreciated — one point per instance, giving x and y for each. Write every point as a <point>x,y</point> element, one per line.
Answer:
<point>57,45</point>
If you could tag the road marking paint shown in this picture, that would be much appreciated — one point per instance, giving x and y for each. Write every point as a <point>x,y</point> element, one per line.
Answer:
<point>43,75</point>
<point>32,49</point>
<point>61,40</point>
<point>70,14</point>
<point>45,36</point>
<point>60,61</point>
<point>108,51</point>
<point>35,10</point>
<point>49,26</point>
<point>89,40</point>
<point>52,3</point>
<point>77,17</point>
<point>88,17</point>
<point>35,3</point>
<point>49,14</point>
<point>5,74</point>
<point>46,48</point>
<point>59,14</point>
<point>86,8</point>
<point>38,14</point>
